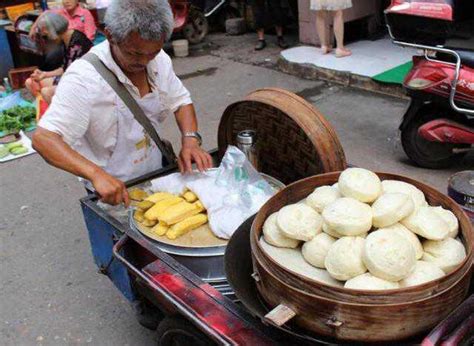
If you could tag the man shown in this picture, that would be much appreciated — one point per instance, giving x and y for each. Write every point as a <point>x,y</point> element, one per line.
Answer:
<point>88,131</point>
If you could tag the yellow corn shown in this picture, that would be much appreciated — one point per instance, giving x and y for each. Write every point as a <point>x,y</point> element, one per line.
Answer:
<point>149,223</point>
<point>159,207</point>
<point>145,205</point>
<point>159,196</point>
<point>137,194</point>
<point>179,212</point>
<point>199,206</point>
<point>139,215</point>
<point>190,197</point>
<point>160,229</point>
<point>186,225</point>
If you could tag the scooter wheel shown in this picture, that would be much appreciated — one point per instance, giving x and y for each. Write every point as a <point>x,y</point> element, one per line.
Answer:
<point>196,28</point>
<point>425,153</point>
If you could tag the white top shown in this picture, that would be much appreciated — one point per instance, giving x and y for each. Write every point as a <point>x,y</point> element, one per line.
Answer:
<point>85,109</point>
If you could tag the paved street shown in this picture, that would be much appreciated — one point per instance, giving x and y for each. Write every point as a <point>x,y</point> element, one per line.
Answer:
<point>51,293</point>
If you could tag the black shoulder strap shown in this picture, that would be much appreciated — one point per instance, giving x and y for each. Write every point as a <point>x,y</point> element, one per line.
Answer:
<point>130,102</point>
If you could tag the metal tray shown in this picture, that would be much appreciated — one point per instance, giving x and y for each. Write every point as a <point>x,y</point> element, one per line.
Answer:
<point>194,251</point>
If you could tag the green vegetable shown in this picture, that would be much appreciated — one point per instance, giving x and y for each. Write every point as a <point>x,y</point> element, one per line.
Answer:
<point>19,150</point>
<point>12,145</point>
<point>3,151</point>
<point>17,118</point>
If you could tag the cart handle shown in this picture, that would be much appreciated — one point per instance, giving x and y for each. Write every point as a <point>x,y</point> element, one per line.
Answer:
<point>180,299</point>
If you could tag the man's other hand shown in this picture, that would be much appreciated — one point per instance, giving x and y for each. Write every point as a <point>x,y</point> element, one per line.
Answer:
<point>192,152</point>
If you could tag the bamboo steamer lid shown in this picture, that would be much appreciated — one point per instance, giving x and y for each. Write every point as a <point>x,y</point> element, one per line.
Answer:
<point>294,140</point>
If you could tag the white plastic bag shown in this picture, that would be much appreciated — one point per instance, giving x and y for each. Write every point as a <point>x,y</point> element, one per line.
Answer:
<point>230,194</point>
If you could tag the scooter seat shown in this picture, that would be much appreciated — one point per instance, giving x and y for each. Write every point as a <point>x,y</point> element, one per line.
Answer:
<point>467,57</point>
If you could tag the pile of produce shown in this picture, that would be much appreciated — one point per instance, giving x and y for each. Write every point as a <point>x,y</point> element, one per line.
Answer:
<point>15,148</point>
<point>167,214</point>
<point>369,234</point>
<point>17,118</point>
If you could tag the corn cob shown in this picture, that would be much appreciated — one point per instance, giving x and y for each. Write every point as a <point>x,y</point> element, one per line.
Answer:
<point>148,223</point>
<point>153,212</point>
<point>179,212</point>
<point>186,225</point>
<point>199,206</point>
<point>145,205</point>
<point>160,229</point>
<point>137,194</point>
<point>139,215</point>
<point>159,196</point>
<point>190,197</point>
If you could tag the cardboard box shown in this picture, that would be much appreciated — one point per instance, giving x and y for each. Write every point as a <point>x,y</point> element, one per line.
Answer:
<point>18,76</point>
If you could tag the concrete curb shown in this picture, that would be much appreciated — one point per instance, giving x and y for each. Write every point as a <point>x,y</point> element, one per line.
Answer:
<point>312,72</point>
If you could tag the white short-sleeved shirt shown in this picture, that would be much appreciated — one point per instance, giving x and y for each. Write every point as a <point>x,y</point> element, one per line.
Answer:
<point>85,108</point>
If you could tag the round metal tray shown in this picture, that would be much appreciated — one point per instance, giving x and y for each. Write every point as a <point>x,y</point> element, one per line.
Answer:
<point>195,251</point>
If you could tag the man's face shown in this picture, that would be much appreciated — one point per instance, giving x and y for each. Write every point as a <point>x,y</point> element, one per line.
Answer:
<point>134,53</point>
<point>70,5</point>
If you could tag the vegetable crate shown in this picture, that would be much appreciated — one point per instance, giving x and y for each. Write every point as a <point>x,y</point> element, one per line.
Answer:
<point>295,141</point>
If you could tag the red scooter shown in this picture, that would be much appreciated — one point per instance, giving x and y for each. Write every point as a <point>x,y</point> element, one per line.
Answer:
<point>438,127</point>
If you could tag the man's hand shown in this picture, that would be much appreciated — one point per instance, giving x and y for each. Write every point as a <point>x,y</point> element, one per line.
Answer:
<point>192,152</point>
<point>111,190</point>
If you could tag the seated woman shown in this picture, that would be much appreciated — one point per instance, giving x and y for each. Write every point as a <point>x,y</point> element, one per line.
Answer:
<point>54,28</point>
<point>79,18</point>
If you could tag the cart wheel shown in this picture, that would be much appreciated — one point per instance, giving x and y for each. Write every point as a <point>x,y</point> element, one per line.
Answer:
<point>178,331</point>
<point>148,315</point>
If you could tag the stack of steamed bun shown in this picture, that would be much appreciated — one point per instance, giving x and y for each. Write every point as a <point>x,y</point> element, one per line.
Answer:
<point>370,234</point>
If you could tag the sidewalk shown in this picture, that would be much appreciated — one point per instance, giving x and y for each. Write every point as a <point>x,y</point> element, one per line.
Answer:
<point>370,61</point>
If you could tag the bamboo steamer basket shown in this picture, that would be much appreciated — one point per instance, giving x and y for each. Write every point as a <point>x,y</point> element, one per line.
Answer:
<point>357,315</point>
<point>294,140</point>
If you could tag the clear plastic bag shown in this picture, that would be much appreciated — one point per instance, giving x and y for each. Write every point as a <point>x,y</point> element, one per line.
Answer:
<point>246,186</point>
<point>10,101</point>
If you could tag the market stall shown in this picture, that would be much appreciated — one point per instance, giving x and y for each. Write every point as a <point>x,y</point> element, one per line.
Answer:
<point>260,299</point>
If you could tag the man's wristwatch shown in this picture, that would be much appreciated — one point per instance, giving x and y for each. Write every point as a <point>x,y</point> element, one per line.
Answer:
<point>194,135</point>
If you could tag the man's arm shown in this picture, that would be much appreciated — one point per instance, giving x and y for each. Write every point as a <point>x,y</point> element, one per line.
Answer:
<point>190,150</point>
<point>58,153</point>
<point>65,122</point>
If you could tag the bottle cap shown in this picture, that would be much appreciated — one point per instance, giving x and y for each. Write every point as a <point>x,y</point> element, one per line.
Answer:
<point>246,136</point>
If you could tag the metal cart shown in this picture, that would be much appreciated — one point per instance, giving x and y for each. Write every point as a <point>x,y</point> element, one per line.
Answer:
<point>191,310</point>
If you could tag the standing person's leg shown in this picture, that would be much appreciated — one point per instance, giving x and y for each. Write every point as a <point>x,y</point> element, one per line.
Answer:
<point>260,23</point>
<point>341,51</point>
<point>278,19</point>
<point>321,28</point>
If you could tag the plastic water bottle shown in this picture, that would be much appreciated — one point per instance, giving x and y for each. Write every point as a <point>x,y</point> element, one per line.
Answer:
<point>8,87</point>
<point>247,142</point>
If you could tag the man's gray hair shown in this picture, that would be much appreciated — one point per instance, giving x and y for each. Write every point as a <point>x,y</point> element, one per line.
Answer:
<point>152,19</point>
<point>54,23</point>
